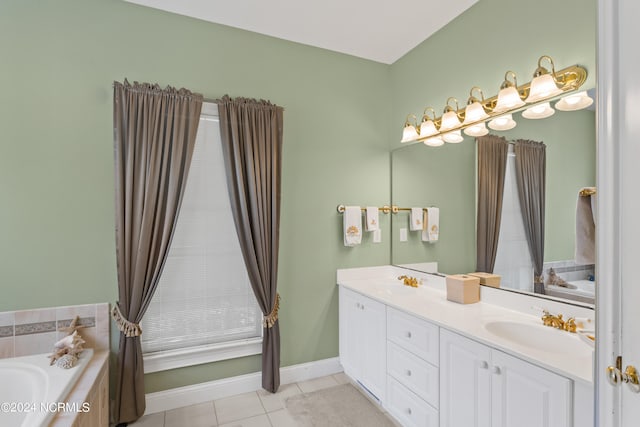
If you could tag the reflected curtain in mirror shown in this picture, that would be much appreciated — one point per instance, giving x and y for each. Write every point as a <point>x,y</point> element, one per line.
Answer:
<point>492,164</point>
<point>251,134</point>
<point>154,137</point>
<point>531,179</point>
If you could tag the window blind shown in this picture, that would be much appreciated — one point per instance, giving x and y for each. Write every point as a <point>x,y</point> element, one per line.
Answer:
<point>204,296</point>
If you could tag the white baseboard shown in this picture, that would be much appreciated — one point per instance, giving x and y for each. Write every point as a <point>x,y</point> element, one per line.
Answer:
<point>204,392</point>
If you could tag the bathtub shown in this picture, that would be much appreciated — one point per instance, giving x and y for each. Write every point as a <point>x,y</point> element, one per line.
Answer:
<point>31,390</point>
<point>577,290</point>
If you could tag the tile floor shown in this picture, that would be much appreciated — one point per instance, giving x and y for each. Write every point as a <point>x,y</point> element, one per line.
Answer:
<point>254,409</point>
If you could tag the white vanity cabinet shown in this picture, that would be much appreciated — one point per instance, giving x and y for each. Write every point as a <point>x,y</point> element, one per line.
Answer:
<point>363,340</point>
<point>484,387</point>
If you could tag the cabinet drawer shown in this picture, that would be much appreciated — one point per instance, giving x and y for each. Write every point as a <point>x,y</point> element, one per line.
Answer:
<point>413,334</point>
<point>414,373</point>
<point>408,408</point>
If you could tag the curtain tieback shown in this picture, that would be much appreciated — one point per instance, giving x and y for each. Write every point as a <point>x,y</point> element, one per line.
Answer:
<point>538,279</point>
<point>271,319</point>
<point>129,329</point>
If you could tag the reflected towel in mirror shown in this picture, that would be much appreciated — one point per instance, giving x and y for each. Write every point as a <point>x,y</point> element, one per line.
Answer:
<point>431,231</point>
<point>373,218</point>
<point>415,219</point>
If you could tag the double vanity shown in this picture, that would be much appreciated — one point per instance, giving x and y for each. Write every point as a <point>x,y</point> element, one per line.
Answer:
<point>432,362</point>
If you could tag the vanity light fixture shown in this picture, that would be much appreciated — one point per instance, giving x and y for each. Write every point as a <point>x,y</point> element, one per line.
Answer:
<point>574,102</point>
<point>474,111</point>
<point>428,127</point>
<point>409,133</point>
<point>543,85</point>
<point>450,118</point>
<point>504,122</point>
<point>508,97</point>
<point>450,121</point>
<point>475,115</point>
<point>534,96</point>
<point>540,111</point>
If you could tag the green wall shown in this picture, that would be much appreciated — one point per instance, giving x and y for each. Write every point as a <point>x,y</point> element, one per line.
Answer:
<point>59,59</point>
<point>476,49</point>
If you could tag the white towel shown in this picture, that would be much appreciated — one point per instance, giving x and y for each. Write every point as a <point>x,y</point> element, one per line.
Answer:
<point>431,230</point>
<point>373,218</point>
<point>352,220</point>
<point>585,231</point>
<point>415,219</point>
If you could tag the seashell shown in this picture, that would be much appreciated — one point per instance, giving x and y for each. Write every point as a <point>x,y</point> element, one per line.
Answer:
<point>67,361</point>
<point>64,342</point>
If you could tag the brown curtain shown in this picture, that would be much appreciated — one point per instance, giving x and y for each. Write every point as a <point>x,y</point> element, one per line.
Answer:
<point>531,178</point>
<point>154,136</point>
<point>252,147</point>
<point>492,165</point>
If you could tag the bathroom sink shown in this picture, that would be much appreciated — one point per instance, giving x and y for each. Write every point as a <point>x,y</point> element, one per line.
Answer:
<point>538,337</point>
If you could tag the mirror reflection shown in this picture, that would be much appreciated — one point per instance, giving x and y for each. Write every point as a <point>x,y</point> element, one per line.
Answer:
<point>422,177</point>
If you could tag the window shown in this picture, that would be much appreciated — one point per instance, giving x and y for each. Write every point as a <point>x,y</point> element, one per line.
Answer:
<point>513,258</point>
<point>204,308</point>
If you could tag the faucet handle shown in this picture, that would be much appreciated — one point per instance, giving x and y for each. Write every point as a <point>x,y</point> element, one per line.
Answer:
<point>570,325</point>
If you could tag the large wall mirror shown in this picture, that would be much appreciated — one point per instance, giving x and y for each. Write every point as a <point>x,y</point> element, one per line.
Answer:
<point>446,177</point>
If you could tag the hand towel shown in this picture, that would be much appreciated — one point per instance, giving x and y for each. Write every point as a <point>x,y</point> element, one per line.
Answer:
<point>373,218</point>
<point>352,220</point>
<point>415,219</point>
<point>431,230</point>
<point>585,231</point>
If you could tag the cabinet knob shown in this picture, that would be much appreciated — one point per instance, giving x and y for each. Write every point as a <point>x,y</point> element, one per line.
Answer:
<point>484,365</point>
<point>496,370</point>
<point>409,411</point>
<point>408,372</point>
<point>408,334</point>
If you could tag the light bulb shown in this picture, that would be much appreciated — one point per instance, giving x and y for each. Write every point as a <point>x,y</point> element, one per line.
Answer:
<point>449,121</point>
<point>453,137</point>
<point>573,102</point>
<point>508,99</point>
<point>477,130</point>
<point>427,128</point>
<point>540,111</point>
<point>474,113</point>
<point>504,122</point>
<point>542,87</point>
<point>435,141</point>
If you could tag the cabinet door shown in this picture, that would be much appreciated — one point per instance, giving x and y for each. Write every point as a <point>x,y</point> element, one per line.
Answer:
<point>351,340</point>
<point>465,382</point>
<point>363,339</point>
<point>373,356</point>
<point>526,395</point>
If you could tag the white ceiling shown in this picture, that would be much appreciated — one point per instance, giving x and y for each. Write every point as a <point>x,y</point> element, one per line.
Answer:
<point>382,30</point>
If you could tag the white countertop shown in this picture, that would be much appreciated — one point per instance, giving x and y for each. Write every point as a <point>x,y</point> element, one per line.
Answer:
<point>429,302</point>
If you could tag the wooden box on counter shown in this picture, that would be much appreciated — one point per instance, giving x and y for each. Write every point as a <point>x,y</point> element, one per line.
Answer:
<point>463,288</point>
<point>487,279</point>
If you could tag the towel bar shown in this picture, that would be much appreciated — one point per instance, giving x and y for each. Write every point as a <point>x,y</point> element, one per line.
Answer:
<point>384,209</point>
